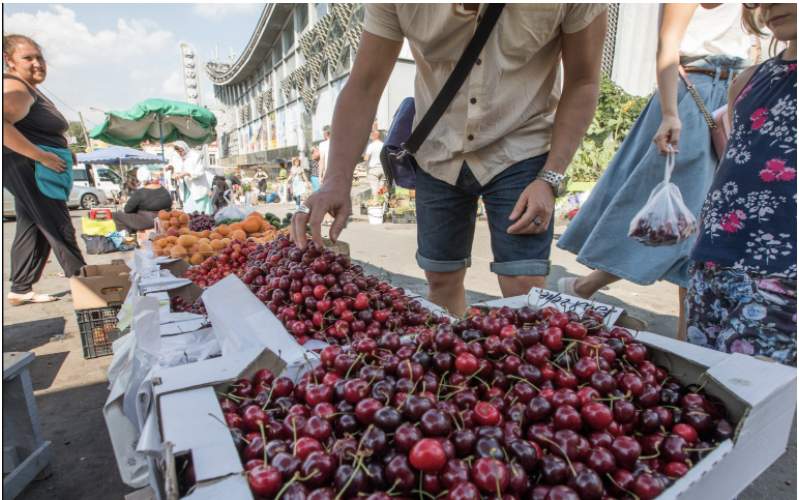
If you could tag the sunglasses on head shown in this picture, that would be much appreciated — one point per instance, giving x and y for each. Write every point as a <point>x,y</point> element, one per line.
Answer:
<point>751,6</point>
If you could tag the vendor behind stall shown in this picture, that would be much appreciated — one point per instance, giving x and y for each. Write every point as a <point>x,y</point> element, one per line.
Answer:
<point>143,205</point>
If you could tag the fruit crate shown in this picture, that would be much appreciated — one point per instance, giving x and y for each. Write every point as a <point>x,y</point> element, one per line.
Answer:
<point>98,330</point>
<point>364,210</point>
<point>407,217</point>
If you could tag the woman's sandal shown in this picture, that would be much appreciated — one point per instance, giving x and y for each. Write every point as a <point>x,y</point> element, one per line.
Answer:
<point>30,298</point>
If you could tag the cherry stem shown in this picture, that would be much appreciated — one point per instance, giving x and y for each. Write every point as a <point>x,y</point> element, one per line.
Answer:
<point>562,451</point>
<point>622,489</point>
<point>285,486</point>
<point>525,381</point>
<point>496,473</point>
<point>358,460</point>
<point>440,384</point>
<point>235,399</point>
<point>226,426</point>
<point>263,438</point>
<point>352,365</point>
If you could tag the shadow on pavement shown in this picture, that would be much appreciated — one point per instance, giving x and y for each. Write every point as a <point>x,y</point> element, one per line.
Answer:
<point>83,466</point>
<point>23,337</point>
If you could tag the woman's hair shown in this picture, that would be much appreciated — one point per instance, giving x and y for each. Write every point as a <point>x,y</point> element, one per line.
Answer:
<point>10,43</point>
<point>296,161</point>
<point>752,22</point>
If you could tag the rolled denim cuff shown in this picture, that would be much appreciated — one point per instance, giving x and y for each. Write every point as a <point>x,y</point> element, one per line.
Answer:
<point>522,268</point>
<point>435,266</point>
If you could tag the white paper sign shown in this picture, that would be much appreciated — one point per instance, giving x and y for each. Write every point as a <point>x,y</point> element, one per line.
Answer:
<point>538,299</point>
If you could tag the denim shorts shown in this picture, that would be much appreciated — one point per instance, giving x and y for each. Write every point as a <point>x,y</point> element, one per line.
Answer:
<point>446,216</point>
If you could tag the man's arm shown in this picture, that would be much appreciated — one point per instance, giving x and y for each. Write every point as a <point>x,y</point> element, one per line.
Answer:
<point>353,116</point>
<point>582,58</point>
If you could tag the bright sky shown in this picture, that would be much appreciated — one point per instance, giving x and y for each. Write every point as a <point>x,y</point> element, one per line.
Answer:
<point>112,56</point>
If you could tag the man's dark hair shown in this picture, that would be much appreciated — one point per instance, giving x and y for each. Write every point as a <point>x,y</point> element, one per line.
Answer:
<point>326,130</point>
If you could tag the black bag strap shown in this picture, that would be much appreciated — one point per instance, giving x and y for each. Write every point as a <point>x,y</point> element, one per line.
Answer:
<point>455,80</point>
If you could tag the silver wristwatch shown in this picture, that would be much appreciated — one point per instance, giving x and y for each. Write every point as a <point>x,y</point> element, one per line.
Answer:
<point>559,182</point>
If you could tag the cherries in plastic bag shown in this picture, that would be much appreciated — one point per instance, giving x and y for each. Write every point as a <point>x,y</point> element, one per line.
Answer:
<point>664,220</point>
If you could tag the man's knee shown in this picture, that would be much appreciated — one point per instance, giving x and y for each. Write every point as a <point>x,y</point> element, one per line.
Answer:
<point>438,281</point>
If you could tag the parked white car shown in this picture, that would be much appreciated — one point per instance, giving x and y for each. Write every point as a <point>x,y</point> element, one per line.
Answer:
<point>84,197</point>
<point>98,176</point>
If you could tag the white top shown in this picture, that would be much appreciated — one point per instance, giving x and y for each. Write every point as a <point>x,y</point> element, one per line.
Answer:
<point>197,182</point>
<point>716,31</point>
<point>168,180</point>
<point>373,150</point>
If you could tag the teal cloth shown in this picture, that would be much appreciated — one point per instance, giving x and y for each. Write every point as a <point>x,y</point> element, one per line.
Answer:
<point>201,205</point>
<point>51,183</point>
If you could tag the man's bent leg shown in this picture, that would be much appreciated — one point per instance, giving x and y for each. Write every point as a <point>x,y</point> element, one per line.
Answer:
<point>447,290</point>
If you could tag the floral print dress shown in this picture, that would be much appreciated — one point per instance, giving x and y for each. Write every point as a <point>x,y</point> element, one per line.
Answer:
<point>742,295</point>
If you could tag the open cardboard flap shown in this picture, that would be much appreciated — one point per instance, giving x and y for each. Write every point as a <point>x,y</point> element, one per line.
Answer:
<point>100,286</point>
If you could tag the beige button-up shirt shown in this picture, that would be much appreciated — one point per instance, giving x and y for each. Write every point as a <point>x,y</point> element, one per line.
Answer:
<point>504,112</point>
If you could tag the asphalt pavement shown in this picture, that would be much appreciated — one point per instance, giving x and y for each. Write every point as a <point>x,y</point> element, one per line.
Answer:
<point>71,391</point>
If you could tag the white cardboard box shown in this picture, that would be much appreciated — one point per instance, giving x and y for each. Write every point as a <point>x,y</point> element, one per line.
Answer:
<point>759,396</point>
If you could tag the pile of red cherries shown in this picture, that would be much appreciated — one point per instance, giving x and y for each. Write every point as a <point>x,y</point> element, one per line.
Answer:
<point>502,405</point>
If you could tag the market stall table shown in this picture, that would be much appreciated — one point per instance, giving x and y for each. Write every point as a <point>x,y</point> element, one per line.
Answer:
<point>26,455</point>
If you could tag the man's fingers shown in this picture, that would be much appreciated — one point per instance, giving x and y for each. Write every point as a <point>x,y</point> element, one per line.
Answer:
<point>315,220</point>
<point>298,223</point>
<point>521,204</point>
<point>523,223</point>
<point>338,225</point>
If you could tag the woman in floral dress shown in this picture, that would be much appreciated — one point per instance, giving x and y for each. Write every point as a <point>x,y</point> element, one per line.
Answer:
<point>742,293</point>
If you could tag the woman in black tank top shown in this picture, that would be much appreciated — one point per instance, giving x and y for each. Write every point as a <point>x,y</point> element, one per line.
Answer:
<point>31,120</point>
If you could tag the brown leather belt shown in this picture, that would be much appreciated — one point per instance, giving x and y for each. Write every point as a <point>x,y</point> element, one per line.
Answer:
<point>707,71</point>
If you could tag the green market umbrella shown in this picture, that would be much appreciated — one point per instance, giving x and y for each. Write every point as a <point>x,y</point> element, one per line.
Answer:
<point>157,120</point>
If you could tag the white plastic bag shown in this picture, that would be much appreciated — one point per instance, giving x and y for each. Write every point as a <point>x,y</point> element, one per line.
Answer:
<point>664,220</point>
<point>233,212</point>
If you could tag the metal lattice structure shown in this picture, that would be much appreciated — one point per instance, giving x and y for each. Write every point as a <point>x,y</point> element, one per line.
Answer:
<point>609,51</point>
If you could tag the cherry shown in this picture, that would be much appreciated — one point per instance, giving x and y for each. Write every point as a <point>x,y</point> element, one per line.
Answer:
<point>374,440</point>
<point>318,467</point>
<point>647,486</point>
<point>436,423</point>
<point>724,430</point>
<point>566,417</point>
<point>587,484</point>
<point>626,450</point>
<point>428,455</point>
<point>486,414</point>
<point>265,481</point>
<point>387,419</point>
<point>463,491</point>
<point>554,470</point>
<point>490,474</point>
<point>464,441</point>
<point>401,475</point>
<point>675,469</point>
<point>600,460</point>
<point>686,432</point>
<point>596,415</point>
<point>454,471</point>
<point>366,408</point>
<point>349,480</point>
<point>406,436</point>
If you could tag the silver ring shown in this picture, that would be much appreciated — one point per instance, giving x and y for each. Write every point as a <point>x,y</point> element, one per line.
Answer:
<point>303,209</point>
<point>537,222</point>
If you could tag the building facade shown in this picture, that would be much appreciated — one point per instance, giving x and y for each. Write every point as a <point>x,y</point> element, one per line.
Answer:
<point>277,96</point>
<point>274,100</point>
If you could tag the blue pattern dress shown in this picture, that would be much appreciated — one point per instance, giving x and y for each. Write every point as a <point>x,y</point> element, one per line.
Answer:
<point>742,295</point>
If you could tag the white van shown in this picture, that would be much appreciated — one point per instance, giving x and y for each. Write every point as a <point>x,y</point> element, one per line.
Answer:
<point>98,176</point>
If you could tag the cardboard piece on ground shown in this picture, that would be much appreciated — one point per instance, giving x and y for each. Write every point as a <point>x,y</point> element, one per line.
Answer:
<point>100,286</point>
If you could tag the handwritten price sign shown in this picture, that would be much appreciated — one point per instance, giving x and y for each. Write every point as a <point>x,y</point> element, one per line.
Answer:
<point>539,299</point>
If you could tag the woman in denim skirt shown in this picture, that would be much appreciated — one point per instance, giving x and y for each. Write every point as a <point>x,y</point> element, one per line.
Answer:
<point>598,234</point>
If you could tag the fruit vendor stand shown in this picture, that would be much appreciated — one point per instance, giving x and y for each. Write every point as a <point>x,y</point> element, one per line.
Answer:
<point>266,372</point>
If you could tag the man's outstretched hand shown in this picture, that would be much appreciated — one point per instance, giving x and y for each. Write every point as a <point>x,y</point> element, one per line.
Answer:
<point>330,198</point>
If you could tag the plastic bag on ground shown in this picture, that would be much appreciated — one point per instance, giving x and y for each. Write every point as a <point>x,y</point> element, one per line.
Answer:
<point>664,220</point>
<point>234,212</point>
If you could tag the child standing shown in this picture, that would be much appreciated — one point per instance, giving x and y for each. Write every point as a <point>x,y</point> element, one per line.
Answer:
<point>742,293</point>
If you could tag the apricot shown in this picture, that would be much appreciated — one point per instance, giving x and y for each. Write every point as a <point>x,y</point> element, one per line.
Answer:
<point>163,215</point>
<point>226,241</point>
<point>251,224</point>
<point>172,232</point>
<point>255,214</point>
<point>223,229</point>
<point>175,213</point>
<point>239,235</point>
<point>178,251</point>
<point>172,239</point>
<point>187,240</point>
<point>217,245</point>
<point>196,259</point>
<point>184,231</point>
<point>215,236</point>
<point>184,218</point>
<point>205,234</point>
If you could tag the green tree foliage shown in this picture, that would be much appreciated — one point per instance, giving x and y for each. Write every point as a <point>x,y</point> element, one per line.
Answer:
<point>76,130</point>
<point>614,117</point>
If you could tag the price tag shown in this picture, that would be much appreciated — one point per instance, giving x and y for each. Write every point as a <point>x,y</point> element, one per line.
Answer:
<point>538,299</point>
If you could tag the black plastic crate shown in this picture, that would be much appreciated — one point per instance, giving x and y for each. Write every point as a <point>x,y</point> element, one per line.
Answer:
<point>408,217</point>
<point>364,211</point>
<point>98,330</point>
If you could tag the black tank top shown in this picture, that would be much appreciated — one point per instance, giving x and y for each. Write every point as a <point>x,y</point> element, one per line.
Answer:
<point>44,125</point>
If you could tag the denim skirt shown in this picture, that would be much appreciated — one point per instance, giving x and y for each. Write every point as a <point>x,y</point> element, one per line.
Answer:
<point>598,234</point>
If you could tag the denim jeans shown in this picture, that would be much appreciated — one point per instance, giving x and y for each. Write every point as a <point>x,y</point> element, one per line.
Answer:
<point>446,216</point>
